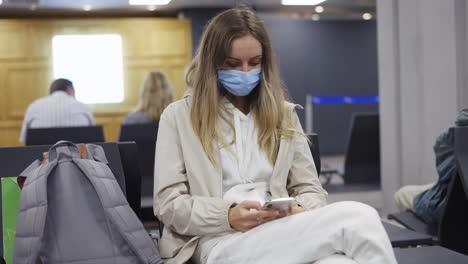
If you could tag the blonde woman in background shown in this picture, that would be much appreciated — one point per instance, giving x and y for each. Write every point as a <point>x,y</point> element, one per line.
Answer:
<point>156,93</point>
<point>233,143</point>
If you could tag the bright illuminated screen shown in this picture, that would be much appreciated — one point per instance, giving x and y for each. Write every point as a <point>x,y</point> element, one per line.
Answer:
<point>93,63</point>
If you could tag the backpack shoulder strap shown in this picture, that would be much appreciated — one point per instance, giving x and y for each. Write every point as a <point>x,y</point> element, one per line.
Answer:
<point>32,211</point>
<point>32,208</point>
<point>117,208</point>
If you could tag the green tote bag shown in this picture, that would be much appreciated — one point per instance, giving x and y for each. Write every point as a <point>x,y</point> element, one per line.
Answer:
<point>10,199</point>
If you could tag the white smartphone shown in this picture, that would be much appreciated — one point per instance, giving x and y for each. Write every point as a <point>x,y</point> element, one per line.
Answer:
<point>282,204</point>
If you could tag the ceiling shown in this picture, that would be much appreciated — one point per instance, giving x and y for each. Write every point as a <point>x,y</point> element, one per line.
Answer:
<point>333,9</point>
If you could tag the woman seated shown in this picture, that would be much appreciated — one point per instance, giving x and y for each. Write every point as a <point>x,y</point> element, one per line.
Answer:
<point>233,143</point>
<point>156,93</point>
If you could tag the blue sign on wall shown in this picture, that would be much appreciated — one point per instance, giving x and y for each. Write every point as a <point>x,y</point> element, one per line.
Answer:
<point>345,99</point>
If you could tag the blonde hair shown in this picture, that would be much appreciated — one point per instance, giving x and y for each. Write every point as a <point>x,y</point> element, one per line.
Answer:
<point>267,100</point>
<point>155,94</point>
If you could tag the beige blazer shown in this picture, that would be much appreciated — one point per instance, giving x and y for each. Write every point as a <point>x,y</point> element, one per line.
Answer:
<point>188,188</point>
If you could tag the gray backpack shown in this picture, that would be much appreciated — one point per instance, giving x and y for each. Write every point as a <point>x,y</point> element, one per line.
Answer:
<point>72,210</point>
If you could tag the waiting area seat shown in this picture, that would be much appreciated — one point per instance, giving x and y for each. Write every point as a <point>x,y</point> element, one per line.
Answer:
<point>144,135</point>
<point>429,255</point>
<point>362,160</point>
<point>413,222</point>
<point>401,237</point>
<point>315,150</point>
<point>48,136</point>
<point>452,229</point>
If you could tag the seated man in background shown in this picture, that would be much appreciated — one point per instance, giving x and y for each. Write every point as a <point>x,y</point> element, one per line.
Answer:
<point>58,109</point>
<point>427,201</point>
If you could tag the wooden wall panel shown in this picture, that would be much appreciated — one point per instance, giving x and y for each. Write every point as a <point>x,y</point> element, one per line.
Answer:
<point>24,85</point>
<point>170,42</point>
<point>26,63</point>
<point>174,72</point>
<point>13,39</point>
<point>9,133</point>
<point>40,34</point>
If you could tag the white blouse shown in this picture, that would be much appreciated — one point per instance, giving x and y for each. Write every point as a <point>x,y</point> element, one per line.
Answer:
<point>246,169</point>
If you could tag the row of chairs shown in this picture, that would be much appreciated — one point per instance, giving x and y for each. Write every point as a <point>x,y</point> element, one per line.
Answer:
<point>124,162</point>
<point>144,135</point>
<point>361,164</point>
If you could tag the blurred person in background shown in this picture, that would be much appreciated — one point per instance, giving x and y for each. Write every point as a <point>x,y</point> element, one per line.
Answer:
<point>156,93</point>
<point>58,109</point>
<point>428,201</point>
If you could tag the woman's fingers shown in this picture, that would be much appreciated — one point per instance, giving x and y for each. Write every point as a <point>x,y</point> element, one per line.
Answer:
<point>249,214</point>
<point>268,219</point>
<point>254,215</point>
<point>251,205</point>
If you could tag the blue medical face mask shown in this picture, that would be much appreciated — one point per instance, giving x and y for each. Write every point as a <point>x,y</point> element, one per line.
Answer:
<point>239,83</point>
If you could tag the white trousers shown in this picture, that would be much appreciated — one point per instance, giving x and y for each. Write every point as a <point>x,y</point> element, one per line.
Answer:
<point>343,232</point>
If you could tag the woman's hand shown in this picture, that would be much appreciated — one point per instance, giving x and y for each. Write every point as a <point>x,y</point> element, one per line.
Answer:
<point>295,209</point>
<point>249,214</point>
